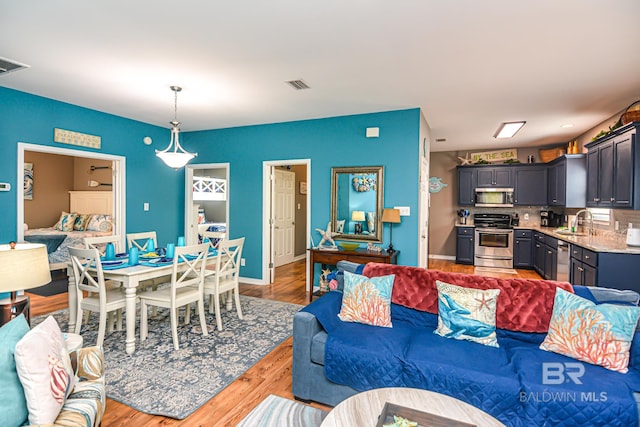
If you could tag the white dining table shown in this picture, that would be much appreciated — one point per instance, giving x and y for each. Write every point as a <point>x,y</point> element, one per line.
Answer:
<point>130,277</point>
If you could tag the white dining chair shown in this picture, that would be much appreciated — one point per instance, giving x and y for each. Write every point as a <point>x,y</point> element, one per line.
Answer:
<point>225,277</point>
<point>186,287</point>
<point>100,299</point>
<point>141,240</point>
<point>215,237</point>
<point>100,243</point>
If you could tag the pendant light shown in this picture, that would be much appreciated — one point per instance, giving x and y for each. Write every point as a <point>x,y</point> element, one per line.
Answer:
<point>177,157</point>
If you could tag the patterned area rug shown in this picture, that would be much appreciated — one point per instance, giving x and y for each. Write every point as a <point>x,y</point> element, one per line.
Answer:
<point>276,411</point>
<point>159,380</point>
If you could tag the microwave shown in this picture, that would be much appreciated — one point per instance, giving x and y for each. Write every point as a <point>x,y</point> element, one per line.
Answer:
<point>494,197</point>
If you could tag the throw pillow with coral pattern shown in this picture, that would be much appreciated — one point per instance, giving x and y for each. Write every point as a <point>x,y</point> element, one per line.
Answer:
<point>598,334</point>
<point>367,300</point>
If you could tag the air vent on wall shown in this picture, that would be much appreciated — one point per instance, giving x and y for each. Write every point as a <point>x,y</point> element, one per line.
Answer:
<point>298,84</point>
<point>8,65</point>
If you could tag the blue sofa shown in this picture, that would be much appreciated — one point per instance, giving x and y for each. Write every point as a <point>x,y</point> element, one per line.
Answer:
<point>333,360</point>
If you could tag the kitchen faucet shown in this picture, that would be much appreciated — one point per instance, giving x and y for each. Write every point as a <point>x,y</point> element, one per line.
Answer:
<point>574,227</point>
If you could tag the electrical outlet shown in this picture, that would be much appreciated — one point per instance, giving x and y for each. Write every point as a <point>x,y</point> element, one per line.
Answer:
<point>404,210</point>
<point>242,262</point>
<point>526,217</point>
<point>146,207</point>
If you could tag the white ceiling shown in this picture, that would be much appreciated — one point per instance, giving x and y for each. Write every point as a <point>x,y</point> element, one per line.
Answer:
<point>468,64</point>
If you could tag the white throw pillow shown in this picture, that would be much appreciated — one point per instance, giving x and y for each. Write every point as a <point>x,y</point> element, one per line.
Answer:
<point>45,371</point>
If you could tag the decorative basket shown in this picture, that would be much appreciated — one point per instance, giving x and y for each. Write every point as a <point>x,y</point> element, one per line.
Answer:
<point>548,154</point>
<point>631,114</point>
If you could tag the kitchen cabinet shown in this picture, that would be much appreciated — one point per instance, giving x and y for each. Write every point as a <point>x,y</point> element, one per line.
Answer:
<point>495,176</point>
<point>567,181</point>
<point>545,256</point>
<point>530,185</point>
<point>523,249</point>
<point>466,185</point>
<point>465,245</point>
<point>612,181</point>
<point>583,265</point>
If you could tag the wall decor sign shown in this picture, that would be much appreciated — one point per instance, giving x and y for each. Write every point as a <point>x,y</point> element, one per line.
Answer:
<point>28,181</point>
<point>495,156</point>
<point>76,138</point>
<point>436,184</point>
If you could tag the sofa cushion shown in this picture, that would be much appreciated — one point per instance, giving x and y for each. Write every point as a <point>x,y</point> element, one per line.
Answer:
<point>45,371</point>
<point>467,314</point>
<point>367,300</point>
<point>598,334</point>
<point>318,346</point>
<point>524,305</point>
<point>607,295</point>
<point>13,405</point>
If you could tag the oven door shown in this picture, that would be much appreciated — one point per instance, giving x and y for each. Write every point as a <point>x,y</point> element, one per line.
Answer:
<point>493,247</point>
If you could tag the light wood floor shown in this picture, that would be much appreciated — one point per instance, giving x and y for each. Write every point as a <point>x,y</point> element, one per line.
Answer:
<point>272,375</point>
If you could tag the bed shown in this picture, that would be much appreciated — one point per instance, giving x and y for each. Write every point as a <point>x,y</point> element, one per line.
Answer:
<point>97,204</point>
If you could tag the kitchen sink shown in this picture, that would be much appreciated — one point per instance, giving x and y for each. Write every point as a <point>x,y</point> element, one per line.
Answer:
<point>566,232</point>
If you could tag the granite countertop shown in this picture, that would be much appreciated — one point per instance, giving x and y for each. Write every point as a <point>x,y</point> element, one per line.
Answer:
<point>595,243</point>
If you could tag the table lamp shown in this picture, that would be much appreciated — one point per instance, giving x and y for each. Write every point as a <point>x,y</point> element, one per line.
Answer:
<point>22,266</point>
<point>391,216</point>
<point>357,216</point>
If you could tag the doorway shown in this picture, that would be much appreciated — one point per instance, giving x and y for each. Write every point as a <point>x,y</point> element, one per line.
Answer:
<point>206,200</point>
<point>118,182</point>
<point>286,205</point>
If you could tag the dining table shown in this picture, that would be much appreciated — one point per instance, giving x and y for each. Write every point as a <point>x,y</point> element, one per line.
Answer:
<point>130,277</point>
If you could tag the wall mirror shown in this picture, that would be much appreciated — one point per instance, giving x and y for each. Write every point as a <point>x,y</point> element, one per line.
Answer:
<point>356,202</point>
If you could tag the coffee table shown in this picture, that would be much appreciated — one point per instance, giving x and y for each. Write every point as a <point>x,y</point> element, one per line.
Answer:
<point>363,409</point>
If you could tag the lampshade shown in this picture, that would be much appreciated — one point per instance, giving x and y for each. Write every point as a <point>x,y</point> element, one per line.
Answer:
<point>25,267</point>
<point>391,215</point>
<point>357,216</point>
<point>177,157</point>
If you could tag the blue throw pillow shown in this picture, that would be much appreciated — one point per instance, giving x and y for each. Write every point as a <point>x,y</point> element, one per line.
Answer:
<point>13,405</point>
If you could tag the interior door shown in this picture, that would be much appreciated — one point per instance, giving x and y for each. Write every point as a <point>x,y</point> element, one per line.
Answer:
<point>284,217</point>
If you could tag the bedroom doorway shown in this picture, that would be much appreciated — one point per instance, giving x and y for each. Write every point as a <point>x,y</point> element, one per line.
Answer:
<point>118,183</point>
<point>206,199</point>
<point>286,197</point>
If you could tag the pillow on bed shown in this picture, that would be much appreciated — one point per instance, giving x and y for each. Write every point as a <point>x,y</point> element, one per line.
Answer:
<point>99,222</point>
<point>81,221</point>
<point>66,221</point>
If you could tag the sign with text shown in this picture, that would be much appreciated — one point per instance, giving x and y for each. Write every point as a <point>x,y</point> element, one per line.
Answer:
<point>495,156</point>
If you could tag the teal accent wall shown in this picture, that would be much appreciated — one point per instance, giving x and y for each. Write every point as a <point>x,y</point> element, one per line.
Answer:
<point>336,141</point>
<point>31,119</point>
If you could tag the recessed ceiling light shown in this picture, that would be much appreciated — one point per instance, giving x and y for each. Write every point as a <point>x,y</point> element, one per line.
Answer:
<point>567,125</point>
<point>508,129</point>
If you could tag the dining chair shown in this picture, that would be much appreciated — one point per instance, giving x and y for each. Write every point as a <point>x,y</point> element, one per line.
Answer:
<point>225,277</point>
<point>100,299</point>
<point>186,287</point>
<point>215,237</point>
<point>141,240</point>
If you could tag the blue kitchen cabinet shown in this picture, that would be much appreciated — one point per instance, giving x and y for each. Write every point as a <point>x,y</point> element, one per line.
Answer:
<point>530,185</point>
<point>465,240</point>
<point>567,183</point>
<point>495,176</point>
<point>466,185</point>
<point>523,249</point>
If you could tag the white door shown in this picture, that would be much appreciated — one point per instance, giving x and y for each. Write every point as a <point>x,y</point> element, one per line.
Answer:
<point>283,217</point>
<point>423,217</point>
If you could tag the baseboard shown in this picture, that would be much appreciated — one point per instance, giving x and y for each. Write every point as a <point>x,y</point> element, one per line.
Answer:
<point>251,281</point>
<point>447,257</point>
<point>299,257</point>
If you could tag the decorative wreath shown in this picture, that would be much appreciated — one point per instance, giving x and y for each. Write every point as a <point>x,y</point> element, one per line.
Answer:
<point>364,183</point>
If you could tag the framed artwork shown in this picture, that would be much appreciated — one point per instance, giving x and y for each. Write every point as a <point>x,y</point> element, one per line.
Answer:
<point>28,181</point>
<point>303,187</point>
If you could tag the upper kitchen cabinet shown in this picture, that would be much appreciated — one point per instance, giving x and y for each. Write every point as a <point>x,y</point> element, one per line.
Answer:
<point>530,185</point>
<point>611,178</point>
<point>466,185</point>
<point>495,176</point>
<point>567,181</point>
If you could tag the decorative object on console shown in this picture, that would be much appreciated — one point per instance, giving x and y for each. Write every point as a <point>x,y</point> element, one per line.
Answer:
<point>177,158</point>
<point>357,216</point>
<point>364,183</point>
<point>327,237</point>
<point>349,246</point>
<point>371,222</point>
<point>22,266</point>
<point>373,248</point>
<point>391,216</point>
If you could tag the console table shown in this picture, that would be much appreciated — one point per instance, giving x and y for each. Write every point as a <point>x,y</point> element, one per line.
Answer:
<point>360,256</point>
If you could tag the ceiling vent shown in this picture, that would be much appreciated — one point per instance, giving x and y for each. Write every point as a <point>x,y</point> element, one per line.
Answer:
<point>298,84</point>
<point>8,65</point>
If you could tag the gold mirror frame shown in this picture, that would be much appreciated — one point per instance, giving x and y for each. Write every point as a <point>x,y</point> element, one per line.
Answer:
<point>336,174</point>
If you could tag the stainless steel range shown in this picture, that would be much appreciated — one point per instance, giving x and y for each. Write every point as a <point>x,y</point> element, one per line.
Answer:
<point>493,240</point>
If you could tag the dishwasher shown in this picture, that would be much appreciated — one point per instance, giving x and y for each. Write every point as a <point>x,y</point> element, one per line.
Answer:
<point>563,261</point>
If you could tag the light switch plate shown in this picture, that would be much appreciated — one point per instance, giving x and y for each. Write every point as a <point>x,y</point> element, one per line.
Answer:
<point>145,207</point>
<point>404,210</point>
<point>5,186</point>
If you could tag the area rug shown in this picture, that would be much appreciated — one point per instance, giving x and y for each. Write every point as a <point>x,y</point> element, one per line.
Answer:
<point>275,411</point>
<point>158,380</point>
